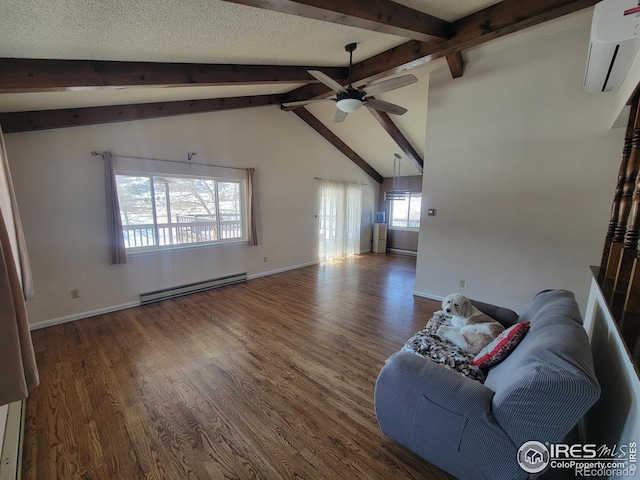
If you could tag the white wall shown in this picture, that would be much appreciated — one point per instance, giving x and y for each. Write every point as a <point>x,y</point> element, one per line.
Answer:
<point>619,401</point>
<point>521,165</point>
<point>60,191</point>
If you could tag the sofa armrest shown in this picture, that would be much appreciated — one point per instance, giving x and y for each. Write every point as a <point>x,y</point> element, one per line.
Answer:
<point>503,315</point>
<point>406,377</point>
<point>444,417</point>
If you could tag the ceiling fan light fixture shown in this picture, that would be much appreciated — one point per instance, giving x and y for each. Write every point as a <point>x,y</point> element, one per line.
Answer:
<point>349,99</point>
<point>349,105</point>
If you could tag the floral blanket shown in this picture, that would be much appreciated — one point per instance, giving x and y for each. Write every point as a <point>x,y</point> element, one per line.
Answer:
<point>427,344</point>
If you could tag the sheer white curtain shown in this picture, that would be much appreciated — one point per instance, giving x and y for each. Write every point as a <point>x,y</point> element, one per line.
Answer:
<point>340,219</point>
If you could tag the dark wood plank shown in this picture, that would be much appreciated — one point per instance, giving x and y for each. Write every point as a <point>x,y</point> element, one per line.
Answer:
<point>617,197</point>
<point>506,17</point>
<point>501,19</point>
<point>72,117</point>
<point>456,64</point>
<point>630,250</point>
<point>377,15</point>
<point>394,132</point>
<point>272,378</point>
<point>333,139</point>
<point>28,75</point>
<point>617,246</point>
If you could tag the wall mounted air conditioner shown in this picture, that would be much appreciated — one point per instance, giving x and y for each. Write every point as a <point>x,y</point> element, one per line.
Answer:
<point>615,40</point>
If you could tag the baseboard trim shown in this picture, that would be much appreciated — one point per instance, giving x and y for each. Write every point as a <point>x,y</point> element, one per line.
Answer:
<point>400,251</point>
<point>81,315</point>
<point>430,296</point>
<point>123,306</point>
<point>282,270</point>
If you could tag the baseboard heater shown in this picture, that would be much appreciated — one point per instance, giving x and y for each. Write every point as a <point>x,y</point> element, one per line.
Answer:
<point>172,292</point>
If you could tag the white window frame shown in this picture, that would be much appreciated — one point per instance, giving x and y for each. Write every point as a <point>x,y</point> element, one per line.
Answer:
<point>196,244</point>
<point>411,195</point>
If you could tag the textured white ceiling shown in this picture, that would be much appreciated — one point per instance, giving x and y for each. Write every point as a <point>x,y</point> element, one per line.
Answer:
<point>213,31</point>
<point>200,31</point>
<point>191,31</point>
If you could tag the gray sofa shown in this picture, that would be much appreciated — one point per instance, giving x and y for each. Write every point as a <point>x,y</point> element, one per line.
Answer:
<point>474,430</point>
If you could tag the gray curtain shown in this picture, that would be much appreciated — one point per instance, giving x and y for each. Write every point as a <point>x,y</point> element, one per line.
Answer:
<point>117,250</point>
<point>253,234</point>
<point>18,370</point>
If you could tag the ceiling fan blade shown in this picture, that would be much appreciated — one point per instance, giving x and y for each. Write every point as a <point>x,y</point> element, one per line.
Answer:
<point>328,81</point>
<point>305,102</point>
<point>391,84</point>
<point>384,106</point>
<point>339,116</point>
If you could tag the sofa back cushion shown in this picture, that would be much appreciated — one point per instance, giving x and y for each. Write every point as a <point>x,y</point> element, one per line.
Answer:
<point>547,383</point>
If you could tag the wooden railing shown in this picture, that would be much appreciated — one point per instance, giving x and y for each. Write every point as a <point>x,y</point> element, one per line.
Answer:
<point>619,276</point>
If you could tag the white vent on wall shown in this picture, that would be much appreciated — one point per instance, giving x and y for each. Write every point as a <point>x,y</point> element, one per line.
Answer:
<point>615,40</point>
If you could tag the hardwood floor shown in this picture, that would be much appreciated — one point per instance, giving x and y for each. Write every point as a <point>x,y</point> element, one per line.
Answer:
<point>268,379</point>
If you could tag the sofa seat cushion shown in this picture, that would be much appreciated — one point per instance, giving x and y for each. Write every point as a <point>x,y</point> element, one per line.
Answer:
<point>427,344</point>
<point>548,383</point>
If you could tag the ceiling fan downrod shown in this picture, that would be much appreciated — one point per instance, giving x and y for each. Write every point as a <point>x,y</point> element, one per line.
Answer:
<point>350,48</point>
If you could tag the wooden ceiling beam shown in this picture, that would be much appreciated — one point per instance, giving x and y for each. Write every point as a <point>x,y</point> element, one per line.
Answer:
<point>377,15</point>
<point>503,18</point>
<point>73,117</point>
<point>334,140</point>
<point>394,132</point>
<point>500,19</point>
<point>456,64</point>
<point>28,75</point>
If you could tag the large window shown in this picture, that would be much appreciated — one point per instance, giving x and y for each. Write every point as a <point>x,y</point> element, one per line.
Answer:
<point>160,211</point>
<point>405,213</point>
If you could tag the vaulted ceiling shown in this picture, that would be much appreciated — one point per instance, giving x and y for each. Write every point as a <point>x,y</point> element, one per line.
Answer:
<point>82,62</point>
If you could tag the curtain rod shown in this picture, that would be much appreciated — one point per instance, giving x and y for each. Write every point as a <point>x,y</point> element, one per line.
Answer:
<point>189,162</point>
<point>318,178</point>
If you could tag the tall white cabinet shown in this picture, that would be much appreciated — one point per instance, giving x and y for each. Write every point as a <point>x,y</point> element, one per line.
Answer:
<point>379,238</point>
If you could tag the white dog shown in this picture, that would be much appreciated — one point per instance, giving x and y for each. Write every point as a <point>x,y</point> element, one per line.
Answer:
<point>470,329</point>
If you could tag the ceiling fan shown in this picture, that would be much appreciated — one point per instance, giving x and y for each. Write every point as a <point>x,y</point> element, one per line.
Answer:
<point>349,99</point>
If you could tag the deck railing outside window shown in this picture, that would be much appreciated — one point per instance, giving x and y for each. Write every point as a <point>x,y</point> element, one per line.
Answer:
<point>180,233</point>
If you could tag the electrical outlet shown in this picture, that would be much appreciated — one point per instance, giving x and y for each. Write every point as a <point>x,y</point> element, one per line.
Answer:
<point>462,283</point>
<point>75,293</point>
